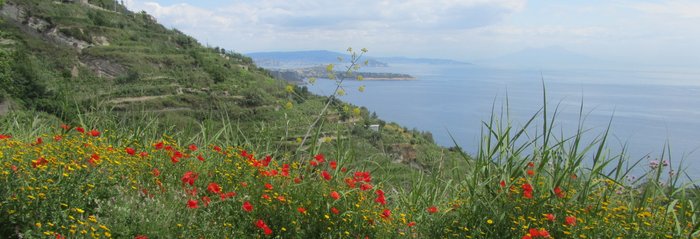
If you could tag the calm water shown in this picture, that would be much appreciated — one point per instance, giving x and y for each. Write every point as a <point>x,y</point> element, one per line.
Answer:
<point>648,108</point>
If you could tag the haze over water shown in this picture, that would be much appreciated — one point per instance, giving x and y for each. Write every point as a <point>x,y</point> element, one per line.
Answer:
<point>648,107</point>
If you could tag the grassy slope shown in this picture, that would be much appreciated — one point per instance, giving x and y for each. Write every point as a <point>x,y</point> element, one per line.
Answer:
<point>168,75</point>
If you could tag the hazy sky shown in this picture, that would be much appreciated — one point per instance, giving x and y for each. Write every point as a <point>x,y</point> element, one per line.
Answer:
<point>635,31</point>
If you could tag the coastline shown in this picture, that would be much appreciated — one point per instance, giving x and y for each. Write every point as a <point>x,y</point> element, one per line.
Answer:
<point>300,74</point>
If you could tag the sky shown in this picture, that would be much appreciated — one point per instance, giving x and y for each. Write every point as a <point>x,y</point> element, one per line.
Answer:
<point>644,32</point>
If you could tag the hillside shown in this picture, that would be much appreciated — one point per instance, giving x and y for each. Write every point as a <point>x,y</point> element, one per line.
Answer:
<point>298,75</point>
<point>113,126</point>
<point>81,63</point>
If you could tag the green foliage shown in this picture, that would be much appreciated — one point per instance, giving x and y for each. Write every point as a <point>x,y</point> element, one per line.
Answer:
<point>77,34</point>
<point>254,98</point>
<point>131,77</point>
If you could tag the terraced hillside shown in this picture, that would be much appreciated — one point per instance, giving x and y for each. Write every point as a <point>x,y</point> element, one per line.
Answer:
<point>73,59</point>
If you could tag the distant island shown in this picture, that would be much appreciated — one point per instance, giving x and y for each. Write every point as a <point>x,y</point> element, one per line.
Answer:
<point>304,59</point>
<point>300,74</point>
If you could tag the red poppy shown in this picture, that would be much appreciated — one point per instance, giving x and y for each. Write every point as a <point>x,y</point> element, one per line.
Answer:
<point>130,151</point>
<point>333,164</point>
<point>80,129</point>
<point>261,224</point>
<point>200,158</point>
<point>380,197</point>
<point>558,192</point>
<point>301,210</point>
<point>267,160</point>
<point>2,136</point>
<point>247,206</point>
<point>411,224</point>
<point>366,186</point>
<point>189,177</point>
<point>432,209</point>
<point>39,162</point>
<point>217,148</point>
<point>158,145</point>
<point>55,138</point>
<point>297,180</point>
<point>141,237</point>
<point>350,182</point>
<point>65,126</point>
<point>214,188</point>
<point>266,197</point>
<point>530,172</point>
<point>534,232</point>
<point>223,196</point>
<point>268,173</point>
<point>531,164</point>
<point>38,141</point>
<point>94,158</point>
<point>335,195</point>
<point>268,186</point>
<point>570,220</point>
<point>344,169</point>
<point>94,133</point>
<point>527,190</point>
<point>363,176</point>
<point>502,183</point>
<point>14,168</point>
<point>178,154</point>
<point>192,203</point>
<point>543,232</point>
<point>192,147</point>
<point>155,172</point>
<point>550,217</point>
<point>206,201</point>
<point>386,213</point>
<point>285,170</point>
<point>320,158</point>
<point>334,210</point>
<point>244,184</point>
<point>313,163</point>
<point>326,175</point>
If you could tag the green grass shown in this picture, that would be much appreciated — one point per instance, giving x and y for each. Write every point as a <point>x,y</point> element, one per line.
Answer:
<point>232,104</point>
<point>515,185</point>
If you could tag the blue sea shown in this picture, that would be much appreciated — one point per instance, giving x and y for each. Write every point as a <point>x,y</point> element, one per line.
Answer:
<point>647,108</point>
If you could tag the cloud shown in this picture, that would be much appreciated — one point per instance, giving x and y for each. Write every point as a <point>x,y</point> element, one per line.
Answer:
<point>183,15</point>
<point>675,8</point>
<point>314,14</point>
<point>457,29</point>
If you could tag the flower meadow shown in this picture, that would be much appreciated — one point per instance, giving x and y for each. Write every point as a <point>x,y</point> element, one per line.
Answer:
<point>90,183</point>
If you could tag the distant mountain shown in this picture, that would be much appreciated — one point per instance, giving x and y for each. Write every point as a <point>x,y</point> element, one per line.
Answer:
<point>299,59</point>
<point>547,57</point>
<point>429,61</point>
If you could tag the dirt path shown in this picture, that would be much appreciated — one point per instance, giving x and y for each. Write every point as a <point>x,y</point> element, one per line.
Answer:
<point>171,109</point>
<point>136,99</point>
